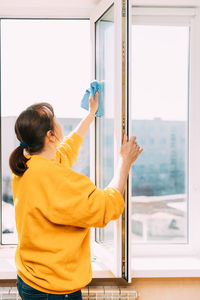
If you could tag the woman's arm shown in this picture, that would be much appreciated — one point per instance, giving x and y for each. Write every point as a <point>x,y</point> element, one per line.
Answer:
<point>83,126</point>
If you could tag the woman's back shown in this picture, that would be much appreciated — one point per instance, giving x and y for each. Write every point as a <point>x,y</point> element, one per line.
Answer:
<point>54,210</point>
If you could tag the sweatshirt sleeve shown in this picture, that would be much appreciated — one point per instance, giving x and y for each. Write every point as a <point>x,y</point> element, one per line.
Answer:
<point>67,151</point>
<point>80,203</point>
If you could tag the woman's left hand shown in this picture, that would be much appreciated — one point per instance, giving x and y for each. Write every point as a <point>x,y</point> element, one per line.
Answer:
<point>94,103</point>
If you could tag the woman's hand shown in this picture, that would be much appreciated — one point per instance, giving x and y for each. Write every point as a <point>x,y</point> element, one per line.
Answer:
<point>130,150</point>
<point>82,128</point>
<point>93,103</point>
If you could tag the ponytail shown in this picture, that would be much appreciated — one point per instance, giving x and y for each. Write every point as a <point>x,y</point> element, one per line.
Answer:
<point>17,161</point>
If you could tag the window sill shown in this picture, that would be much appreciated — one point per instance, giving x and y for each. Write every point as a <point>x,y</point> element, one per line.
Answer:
<point>142,267</point>
<point>182,266</point>
<point>8,270</point>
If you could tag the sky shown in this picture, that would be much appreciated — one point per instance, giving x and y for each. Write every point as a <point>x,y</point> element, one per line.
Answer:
<point>160,72</point>
<point>45,60</point>
<point>50,60</point>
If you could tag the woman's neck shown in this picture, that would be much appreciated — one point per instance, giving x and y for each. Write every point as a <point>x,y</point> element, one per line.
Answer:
<point>49,153</point>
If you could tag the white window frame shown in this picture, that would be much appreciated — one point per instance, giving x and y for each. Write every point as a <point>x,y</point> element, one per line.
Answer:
<point>116,270</point>
<point>146,262</point>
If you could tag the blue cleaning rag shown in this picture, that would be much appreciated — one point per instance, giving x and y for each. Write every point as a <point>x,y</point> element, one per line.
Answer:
<point>94,87</point>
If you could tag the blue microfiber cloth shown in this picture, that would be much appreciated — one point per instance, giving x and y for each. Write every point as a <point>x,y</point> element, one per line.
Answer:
<point>94,87</point>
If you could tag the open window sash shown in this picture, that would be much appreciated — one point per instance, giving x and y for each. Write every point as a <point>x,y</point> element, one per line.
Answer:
<point>109,67</point>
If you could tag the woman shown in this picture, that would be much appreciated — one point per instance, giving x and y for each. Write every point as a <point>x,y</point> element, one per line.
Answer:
<point>56,206</point>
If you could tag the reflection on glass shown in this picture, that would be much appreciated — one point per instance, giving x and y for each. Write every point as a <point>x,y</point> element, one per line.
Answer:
<point>160,122</point>
<point>105,124</point>
<point>41,61</point>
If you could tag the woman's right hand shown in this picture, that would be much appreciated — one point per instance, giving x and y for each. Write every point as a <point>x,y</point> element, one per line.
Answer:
<point>130,151</point>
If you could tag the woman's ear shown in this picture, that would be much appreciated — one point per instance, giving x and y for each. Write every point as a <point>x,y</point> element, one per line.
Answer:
<point>51,136</point>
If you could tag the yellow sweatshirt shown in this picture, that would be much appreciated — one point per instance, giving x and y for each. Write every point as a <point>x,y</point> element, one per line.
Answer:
<point>54,210</point>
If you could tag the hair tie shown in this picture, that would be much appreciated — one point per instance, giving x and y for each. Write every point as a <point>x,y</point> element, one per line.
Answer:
<point>24,144</point>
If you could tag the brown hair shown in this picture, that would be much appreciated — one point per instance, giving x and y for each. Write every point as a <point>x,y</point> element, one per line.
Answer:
<point>31,127</point>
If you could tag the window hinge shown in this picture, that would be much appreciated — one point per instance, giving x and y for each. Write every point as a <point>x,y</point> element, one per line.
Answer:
<point>123,8</point>
<point>123,267</point>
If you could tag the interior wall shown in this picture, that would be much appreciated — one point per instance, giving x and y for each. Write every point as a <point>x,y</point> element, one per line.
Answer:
<point>160,288</point>
<point>168,288</point>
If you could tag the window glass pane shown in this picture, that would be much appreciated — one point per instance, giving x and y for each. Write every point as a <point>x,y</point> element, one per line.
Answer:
<point>105,124</point>
<point>160,122</point>
<point>41,61</point>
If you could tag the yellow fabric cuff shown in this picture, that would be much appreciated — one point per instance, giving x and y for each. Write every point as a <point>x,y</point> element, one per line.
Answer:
<point>117,195</point>
<point>77,138</point>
